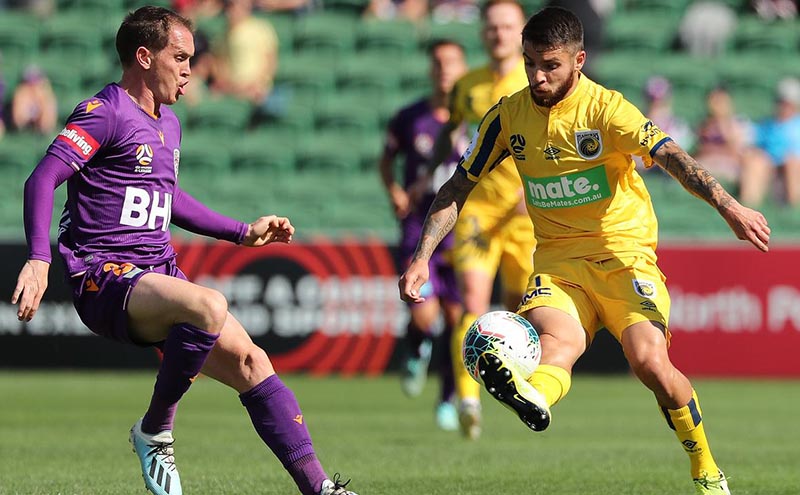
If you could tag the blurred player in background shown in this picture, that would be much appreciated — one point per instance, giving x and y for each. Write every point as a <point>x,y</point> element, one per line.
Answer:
<point>411,133</point>
<point>597,232</point>
<point>493,232</point>
<point>119,154</point>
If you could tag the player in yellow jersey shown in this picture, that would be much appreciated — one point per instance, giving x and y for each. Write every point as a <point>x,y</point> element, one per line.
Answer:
<point>595,263</point>
<point>494,232</point>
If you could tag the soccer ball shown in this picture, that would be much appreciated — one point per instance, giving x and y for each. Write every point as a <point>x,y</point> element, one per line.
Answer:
<point>506,334</point>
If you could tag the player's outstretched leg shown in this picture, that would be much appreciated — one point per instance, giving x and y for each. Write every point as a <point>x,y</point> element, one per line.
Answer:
<point>157,459</point>
<point>507,385</point>
<point>712,485</point>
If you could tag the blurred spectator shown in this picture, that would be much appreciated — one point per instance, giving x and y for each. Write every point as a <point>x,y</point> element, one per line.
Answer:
<point>296,6</point>
<point>769,10</point>
<point>777,142</point>
<point>722,139</point>
<point>444,11</point>
<point>246,57</point>
<point>41,8</point>
<point>706,27</point>
<point>658,94</point>
<point>593,15</point>
<point>33,105</point>
<point>202,65</point>
<point>197,9</point>
<point>412,10</point>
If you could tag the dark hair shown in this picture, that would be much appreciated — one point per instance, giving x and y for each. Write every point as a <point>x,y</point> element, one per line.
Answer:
<point>148,27</point>
<point>491,3</point>
<point>438,42</point>
<point>554,27</point>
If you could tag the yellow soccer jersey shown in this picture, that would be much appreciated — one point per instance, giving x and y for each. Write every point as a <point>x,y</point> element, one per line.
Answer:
<point>473,95</point>
<point>583,193</point>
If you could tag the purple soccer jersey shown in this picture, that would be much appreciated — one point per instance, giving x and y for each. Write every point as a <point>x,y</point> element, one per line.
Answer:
<point>412,133</point>
<point>119,203</point>
<point>124,191</point>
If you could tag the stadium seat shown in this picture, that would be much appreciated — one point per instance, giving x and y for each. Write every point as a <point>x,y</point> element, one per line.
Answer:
<point>354,8</point>
<point>222,114</point>
<point>372,78</point>
<point>67,36</point>
<point>328,152</point>
<point>325,34</point>
<point>310,77</point>
<point>466,34</point>
<point>391,39</point>
<point>206,153</point>
<point>635,32</point>
<point>265,152</point>
<point>18,41</point>
<point>658,8</point>
<point>346,113</point>
<point>754,35</point>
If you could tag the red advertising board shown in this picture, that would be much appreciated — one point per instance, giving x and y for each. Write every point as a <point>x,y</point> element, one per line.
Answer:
<point>735,310</point>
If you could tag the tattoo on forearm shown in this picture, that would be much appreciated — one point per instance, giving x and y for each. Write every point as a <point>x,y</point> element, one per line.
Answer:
<point>693,176</point>
<point>443,214</point>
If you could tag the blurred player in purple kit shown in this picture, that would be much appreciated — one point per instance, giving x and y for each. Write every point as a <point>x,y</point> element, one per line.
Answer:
<point>411,133</point>
<point>119,154</point>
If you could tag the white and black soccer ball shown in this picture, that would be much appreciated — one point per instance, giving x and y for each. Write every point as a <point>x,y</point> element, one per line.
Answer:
<point>506,334</point>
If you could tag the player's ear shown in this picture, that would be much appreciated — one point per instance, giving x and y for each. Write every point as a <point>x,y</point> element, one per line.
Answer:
<point>144,57</point>
<point>580,59</point>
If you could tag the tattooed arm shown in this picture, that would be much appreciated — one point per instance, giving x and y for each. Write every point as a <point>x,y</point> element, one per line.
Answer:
<point>439,222</point>
<point>747,224</point>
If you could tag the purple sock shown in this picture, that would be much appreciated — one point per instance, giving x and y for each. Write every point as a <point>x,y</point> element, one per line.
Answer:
<point>185,351</point>
<point>279,422</point>
<point>448,388</point>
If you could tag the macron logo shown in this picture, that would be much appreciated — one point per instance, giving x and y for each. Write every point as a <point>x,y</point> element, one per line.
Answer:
<point>79,140</point>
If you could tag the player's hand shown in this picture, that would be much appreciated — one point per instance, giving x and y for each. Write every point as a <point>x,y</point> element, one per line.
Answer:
<point>31,284</point>
<point>400,202</point>
<point>269,229</point>
<point>417,190</point>
<point>412,280</point>
<point>748,225</point>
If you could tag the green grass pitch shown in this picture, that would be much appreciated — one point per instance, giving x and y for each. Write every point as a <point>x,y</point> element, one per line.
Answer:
<point>66,433</point>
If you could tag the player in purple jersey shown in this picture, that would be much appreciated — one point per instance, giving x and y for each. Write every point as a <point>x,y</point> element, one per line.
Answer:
<point>411,133</point>
<point>119,154</point>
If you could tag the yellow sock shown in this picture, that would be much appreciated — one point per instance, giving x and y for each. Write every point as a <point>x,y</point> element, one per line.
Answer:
<point>551,381</point>
<point>688,425</point>
<point>466,386</point>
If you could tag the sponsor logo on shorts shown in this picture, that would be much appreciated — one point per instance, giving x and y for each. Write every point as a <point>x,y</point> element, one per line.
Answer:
<point>539,290</point>
<point>569,190</point>
<point>644,288</point>
<point>518,146</point>
<point>589,144</point>
<point>79,140</point>
<point>124,270</point>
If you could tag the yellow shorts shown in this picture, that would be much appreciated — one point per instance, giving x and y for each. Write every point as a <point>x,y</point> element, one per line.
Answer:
<point>489,244</point>
<point>614,293</point>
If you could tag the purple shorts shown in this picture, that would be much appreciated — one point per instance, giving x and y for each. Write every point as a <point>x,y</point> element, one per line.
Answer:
<point>442,282</point>
<point>101,296</point>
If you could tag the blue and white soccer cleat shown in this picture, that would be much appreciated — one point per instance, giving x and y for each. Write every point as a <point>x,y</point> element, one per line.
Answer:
<point>335,487</point>
<point>157,459</point>
<point>446,416</point>
<point>415,370</point>
<point>712,485</point>
<point>507,385</point>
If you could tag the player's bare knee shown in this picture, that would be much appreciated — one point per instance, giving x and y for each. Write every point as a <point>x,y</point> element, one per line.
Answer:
<point>214,310</point>
<point>255,365</point>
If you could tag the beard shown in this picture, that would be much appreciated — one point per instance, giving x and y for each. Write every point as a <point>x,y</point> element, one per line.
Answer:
<point>558,95</point>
